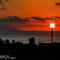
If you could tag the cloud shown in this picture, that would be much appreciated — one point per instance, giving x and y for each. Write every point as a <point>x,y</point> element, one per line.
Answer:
<point>53,18</point>
<point>43,18</point>
<point>18,19</point>
<point>46,18</point>
<point>14,19</point>
<point>58,17</point>
<point>58,3</point>
<point>38,18</point>
<point>49,18</point>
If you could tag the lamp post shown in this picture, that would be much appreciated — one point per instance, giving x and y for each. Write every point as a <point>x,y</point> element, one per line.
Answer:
<point>52,26</point>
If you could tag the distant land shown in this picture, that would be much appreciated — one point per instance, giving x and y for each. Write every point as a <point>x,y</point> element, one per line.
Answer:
<point>23,36</point>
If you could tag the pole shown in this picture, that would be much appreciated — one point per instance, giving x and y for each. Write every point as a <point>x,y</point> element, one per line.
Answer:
<point>52,35</point>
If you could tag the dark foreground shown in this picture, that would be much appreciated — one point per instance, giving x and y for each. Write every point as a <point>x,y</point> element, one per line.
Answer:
<point>29,51</point>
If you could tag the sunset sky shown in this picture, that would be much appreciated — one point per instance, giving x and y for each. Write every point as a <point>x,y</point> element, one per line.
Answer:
<point>46,10</point>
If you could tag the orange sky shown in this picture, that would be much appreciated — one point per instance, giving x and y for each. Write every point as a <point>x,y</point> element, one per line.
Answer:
<point>33,8</point>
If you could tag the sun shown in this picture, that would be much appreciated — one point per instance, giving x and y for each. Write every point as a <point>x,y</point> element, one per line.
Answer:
<point>52,25</point>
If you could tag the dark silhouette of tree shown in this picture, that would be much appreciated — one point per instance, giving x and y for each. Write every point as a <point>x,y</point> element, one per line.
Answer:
<point>13,41</point>
<point>31,50</point>
<point>1,42</point>
<point>7,41</point>
<point>31,40</point>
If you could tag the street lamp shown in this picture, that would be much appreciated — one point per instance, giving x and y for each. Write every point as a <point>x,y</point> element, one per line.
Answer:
<point>52,26</point>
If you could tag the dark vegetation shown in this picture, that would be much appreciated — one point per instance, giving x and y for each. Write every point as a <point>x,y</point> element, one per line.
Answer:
<point>30,50</point>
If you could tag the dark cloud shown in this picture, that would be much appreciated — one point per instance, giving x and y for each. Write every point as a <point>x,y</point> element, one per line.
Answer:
<point>58,17</point>
<point>53,18</point>
<point>16,19</point>
<point>46,18</point>
<point>27,18</point>
<point>58,3</point>
<point>38,18</point>
<point>43,18</point>
<point>49,18</point>
<point>13,19</point>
